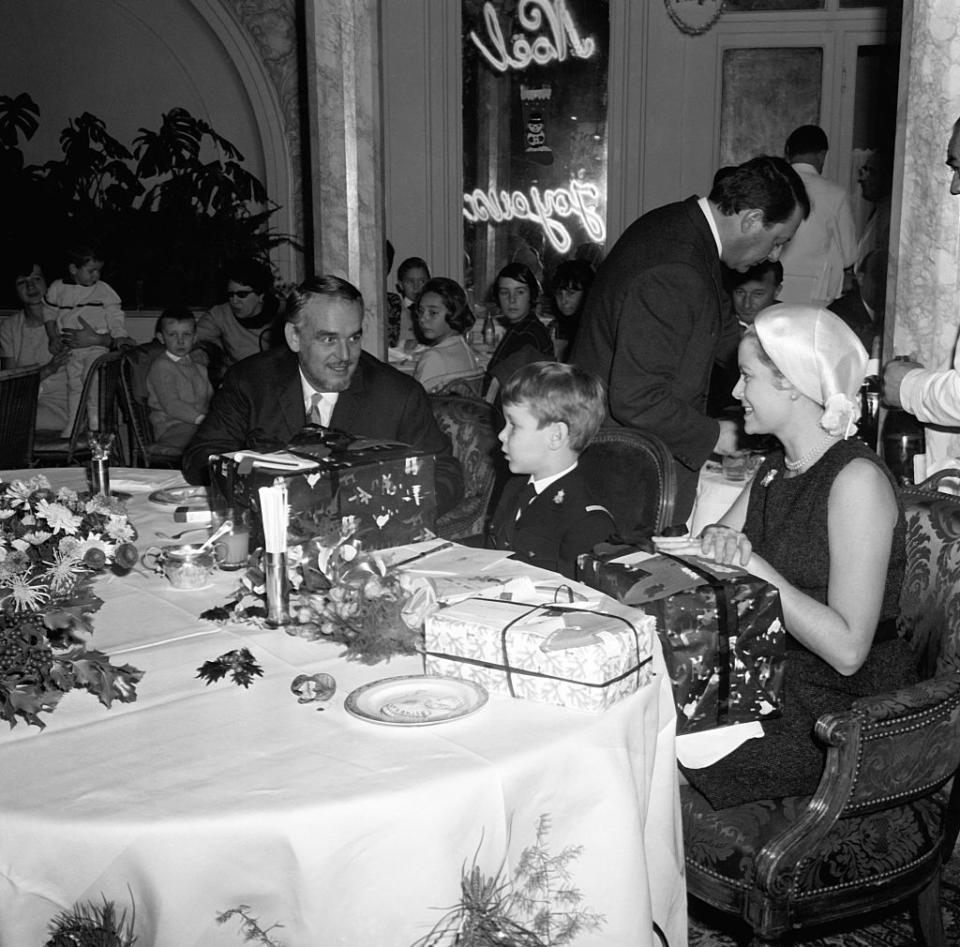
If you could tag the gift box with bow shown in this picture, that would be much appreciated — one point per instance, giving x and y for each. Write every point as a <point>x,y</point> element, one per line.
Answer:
<point>586,659</point>
<point>721,630</point>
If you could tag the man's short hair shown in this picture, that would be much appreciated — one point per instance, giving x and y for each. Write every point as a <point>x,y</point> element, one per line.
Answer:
<point>767,183</point>
<point>757,272</point>
<point>174,314</point>
<point>806,140</point>
<point>555,391</point>
<point>333,287</point>
<point>412,263</point>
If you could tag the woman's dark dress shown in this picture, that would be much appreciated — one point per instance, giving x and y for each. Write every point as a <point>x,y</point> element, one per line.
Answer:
<point>786,523</point>
<point>524,342</point>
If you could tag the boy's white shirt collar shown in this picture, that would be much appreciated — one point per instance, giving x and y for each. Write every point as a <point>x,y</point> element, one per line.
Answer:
<point>542,484</point>
<point>176,358</point>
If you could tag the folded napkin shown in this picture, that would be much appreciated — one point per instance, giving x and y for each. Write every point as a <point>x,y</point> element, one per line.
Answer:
<point>146,482</point>
<point>705,747</point>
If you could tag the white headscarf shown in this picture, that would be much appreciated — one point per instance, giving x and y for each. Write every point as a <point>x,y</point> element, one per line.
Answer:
<point>821,356</point>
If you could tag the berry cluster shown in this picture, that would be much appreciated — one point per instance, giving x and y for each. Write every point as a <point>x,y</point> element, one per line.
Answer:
<point>25,653</point>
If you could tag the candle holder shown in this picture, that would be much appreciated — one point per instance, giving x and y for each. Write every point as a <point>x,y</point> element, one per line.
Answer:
<point>100,447</point>
<point>277,588</point>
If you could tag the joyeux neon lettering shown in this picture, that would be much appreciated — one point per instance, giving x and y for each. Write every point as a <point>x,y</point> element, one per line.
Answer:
<point>531,15</point>
<point>579,200</point>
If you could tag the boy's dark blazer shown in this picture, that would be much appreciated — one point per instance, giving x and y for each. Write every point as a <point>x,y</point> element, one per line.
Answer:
<point>559,524</point>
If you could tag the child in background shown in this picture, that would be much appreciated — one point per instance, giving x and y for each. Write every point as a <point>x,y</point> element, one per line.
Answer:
<point>550,516</point>
<point>571,280</point>
<point>443,317</point>
<point>412,275</point>
<point>82,303</point>
<point>178,389</point>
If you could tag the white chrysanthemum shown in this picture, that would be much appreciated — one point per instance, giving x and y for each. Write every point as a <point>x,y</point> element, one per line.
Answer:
<point>18,492</point>
<point>58,517</point>
<point>21,545</point>
<point>93,541</point>
<point>6,514</point>
<point>68,545</point>
<point>36,538</point>
<point>64,572</point>
<point>26,591</point>
<point>119,530</point>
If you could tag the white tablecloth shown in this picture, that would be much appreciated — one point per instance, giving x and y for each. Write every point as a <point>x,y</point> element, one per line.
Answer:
<point>200,798</point>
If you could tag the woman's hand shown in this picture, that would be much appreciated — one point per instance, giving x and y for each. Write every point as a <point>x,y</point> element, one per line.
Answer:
<point>726,545</point>
<point>85,336</point>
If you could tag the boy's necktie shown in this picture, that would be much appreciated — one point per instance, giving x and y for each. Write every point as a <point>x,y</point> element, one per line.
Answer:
<point>525,498</point>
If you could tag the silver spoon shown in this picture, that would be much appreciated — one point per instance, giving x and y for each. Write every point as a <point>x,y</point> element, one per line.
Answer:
<point>224,527</point>
<point>183,532</point>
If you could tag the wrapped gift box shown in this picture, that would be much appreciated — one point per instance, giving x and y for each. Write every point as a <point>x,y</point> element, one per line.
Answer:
<point>720,627</point>
<point>381,492</point>
<point>578,658</point>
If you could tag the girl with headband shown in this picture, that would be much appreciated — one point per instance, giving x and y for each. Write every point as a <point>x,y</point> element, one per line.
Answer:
<point>822,522</point>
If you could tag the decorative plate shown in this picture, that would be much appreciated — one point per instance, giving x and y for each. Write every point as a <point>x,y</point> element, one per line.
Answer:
<point>415,700</point>
<point>194,497</point>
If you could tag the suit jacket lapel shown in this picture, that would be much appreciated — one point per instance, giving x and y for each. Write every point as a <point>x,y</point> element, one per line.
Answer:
<point>347,410</point>
<point>290,402</point>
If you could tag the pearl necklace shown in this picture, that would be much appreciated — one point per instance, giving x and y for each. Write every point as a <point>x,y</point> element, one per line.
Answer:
<point>821,447</point>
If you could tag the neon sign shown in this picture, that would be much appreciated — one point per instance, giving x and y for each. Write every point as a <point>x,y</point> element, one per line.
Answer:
<point>579,200</point>
<point>544,49</point>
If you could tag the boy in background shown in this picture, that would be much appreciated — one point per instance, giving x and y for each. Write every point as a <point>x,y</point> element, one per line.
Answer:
<point>412,275</point>
<point>178,388</point>
<point>549,516</point>
<point>87,307</point>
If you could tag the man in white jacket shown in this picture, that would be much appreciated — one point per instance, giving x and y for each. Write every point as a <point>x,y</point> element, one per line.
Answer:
<point>821,254</point>
<point>932,396</point>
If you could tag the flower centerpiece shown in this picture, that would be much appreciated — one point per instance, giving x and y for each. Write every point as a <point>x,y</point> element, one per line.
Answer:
<point>344,595</point>
<point>52,544</point>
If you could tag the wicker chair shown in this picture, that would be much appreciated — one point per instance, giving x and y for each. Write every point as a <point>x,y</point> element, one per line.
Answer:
<point>469,425</point>
<point>144,449</point>
<point>887,810</point>
<point>19,390</point>
<point>632,474</point>
<point>99,387</point>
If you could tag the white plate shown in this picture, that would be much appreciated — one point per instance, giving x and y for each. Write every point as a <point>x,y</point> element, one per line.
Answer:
<point>194,497</point>
<point>415,700</point>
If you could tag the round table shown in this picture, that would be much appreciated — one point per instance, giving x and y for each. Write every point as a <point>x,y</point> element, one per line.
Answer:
<point>197,798</point>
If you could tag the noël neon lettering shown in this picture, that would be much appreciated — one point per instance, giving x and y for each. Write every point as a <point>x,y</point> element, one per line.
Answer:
<point>531,14</point>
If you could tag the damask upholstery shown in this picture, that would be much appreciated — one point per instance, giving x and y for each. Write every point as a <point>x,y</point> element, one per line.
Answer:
<point>886,811</point>
<point>468,386</point>
<point>468,422</point>
<point>632,474</point>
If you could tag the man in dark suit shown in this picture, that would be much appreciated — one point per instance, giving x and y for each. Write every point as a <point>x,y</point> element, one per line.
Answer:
<point>657,317</point>
<point>265,400</point>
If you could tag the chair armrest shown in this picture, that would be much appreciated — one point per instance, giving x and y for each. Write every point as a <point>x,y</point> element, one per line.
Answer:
<point>886,750</point>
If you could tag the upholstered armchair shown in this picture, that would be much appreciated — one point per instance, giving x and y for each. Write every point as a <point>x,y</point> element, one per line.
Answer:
<point>632,474</point>
<point>885,814</point>
<point>468,422</point>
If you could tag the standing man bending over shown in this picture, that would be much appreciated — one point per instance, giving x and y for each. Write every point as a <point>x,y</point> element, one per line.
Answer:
<point>657,316</point>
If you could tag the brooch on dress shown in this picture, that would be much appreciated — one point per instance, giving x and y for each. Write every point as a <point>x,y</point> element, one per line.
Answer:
<point>768,479</point>
<point>558,497</point>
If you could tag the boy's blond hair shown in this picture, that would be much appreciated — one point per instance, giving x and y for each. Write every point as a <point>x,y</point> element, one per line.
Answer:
<point>554,391</point>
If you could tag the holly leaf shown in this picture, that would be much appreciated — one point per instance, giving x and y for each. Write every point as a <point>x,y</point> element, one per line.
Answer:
<point>240,665</point>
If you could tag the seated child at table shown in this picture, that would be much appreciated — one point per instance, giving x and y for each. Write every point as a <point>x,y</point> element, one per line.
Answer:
<point>549,516</point>
<point>178,388</point>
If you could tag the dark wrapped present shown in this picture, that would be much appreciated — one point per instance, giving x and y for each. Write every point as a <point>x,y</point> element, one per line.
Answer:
<point>721,630</point>
<point>381,492</point>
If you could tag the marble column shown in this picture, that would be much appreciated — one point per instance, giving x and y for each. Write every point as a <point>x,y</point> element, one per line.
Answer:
<point>346,154</point>
<point>924,278</point>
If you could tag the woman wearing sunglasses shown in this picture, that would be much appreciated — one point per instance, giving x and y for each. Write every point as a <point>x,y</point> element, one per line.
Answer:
<point>248,321</point>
